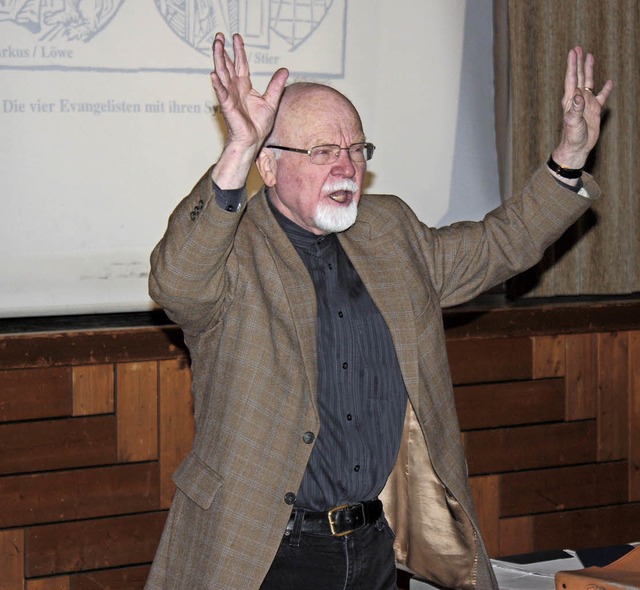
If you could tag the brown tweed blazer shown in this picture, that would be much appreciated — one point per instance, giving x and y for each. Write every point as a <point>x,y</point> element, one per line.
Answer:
<point>246,304</point>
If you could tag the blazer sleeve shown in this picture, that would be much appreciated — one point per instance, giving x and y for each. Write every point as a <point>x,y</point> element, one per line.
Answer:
<point>467,258</point>
<point>190,266</point>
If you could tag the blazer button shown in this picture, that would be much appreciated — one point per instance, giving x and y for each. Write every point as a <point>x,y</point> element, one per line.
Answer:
<point>289,498</point>
<point>308,437</point>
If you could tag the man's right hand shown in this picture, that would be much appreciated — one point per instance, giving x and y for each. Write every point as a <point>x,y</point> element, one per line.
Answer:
<point>248,115</point>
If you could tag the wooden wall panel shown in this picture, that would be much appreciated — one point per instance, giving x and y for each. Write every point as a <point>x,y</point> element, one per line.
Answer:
<point>549,356</point>
<point>634,416</point>
<point>177,426</point>
<point>93,423</point>
<point>486,496</point>
<point>93,390</point>
<point>530,447</point>
<point>581,357</point>
<point>580,529</point>
<point>39,393</point>
<point>92,544</point>
<point>57,444</point>
<point>52,583</point>
<point>507,404</point>
<point>12,559</point>
<point>137,385</point>
<point>77,494</point>
<point>517,536</point>
<point>494,359</point>
<point>613,396</point>
<point>563,488</point>
<point>131,578</point>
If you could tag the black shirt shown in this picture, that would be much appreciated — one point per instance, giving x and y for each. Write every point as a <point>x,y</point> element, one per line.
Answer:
<point>361,394</point>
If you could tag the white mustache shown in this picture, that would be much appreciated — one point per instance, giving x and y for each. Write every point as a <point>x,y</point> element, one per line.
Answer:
<point>342,184</point>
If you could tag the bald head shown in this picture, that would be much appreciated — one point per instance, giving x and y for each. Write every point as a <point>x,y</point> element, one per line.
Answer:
<point>306,107</point>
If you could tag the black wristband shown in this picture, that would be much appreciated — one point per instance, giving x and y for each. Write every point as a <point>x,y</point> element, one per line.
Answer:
<point>562,171</point>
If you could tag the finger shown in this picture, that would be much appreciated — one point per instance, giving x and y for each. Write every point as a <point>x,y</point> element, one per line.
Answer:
<point>221,60</point>
<point>220,89</point>
<point>579,66</point>
<point>603,95</point>
<point>588,71</point>
<point>240,56</point>
<point>570,79</point>
<point>275,88</point>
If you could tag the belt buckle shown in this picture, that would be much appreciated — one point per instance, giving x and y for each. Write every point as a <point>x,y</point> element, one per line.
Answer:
<point>332,524</point>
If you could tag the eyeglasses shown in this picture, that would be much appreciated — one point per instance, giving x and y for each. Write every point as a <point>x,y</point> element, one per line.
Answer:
<point>327,154</point>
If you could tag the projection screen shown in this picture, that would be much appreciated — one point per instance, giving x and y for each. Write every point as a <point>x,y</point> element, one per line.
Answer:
<point>108,119</point>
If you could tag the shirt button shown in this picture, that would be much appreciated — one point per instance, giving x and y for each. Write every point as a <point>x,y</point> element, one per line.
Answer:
<point>308,437</point>
<point>356,468</point>
<point>349,417</point>
<point>340,314</point>
<point>330,266</point>
<point>289,498</point>
<point>345,365</point>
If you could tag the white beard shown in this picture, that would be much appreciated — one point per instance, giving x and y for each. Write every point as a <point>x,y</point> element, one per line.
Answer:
<point>333,217</point>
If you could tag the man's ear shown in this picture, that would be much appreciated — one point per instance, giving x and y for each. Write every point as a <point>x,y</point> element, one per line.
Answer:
<point>267,164</point>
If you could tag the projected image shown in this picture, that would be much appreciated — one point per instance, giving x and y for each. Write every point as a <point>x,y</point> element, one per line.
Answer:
<point>77,20</point>
<point>197,21</point>
<point>170,35</point>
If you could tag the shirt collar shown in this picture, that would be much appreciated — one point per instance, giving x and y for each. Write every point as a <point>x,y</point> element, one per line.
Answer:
<point>300,237</point>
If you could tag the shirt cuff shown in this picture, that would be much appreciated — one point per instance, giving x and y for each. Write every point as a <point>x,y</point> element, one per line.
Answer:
<point>578,188</point>
<point>228,199</point>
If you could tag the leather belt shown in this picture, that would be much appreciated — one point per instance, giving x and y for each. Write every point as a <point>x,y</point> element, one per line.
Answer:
<point>339,521</point>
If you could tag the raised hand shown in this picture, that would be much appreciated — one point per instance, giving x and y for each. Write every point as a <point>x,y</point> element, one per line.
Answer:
<point>582,109</point>
<point>248,115</point>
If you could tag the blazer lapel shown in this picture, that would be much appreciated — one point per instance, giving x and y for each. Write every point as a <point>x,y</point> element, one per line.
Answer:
<point>297,284</point>
<point>379,267</point>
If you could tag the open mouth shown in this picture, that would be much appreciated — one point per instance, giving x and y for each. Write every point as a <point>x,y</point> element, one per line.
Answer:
<point>341,190</point>
<point>341,196</point>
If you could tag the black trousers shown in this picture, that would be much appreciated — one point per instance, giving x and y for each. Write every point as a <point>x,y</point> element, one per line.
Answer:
<point>363,560</point>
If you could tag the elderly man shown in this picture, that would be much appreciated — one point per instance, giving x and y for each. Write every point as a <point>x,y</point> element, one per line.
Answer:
<point>320,377</point>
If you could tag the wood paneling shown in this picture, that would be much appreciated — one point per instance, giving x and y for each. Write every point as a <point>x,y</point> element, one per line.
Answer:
<point>506,404</point>
<point>93,390</point>
<point>93,424</point>
<point>613,396</point>
<point>39,393</point>
<point>530,447</point>
<point>634,416</point>
<point>92,544</point>
<point>176,422</point>
<point>563,488</point>
<point>581,357</point>
<point>137,385</point>
<point>486,495</point>
<point>57,444</point>
<point>12,559</point>
<point>131,578</point>
<point>549,356</point>
<point>52,583</point>
<point>495,359</point>
<point>516,536</point>
<point>81,493</point>
<point>23,351</point>
<point>580,529</point>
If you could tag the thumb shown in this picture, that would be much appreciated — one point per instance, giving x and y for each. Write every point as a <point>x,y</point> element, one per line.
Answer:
<point>577,104</point>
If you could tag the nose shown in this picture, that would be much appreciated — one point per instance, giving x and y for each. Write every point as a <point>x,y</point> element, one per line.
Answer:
<point>343,166</point>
